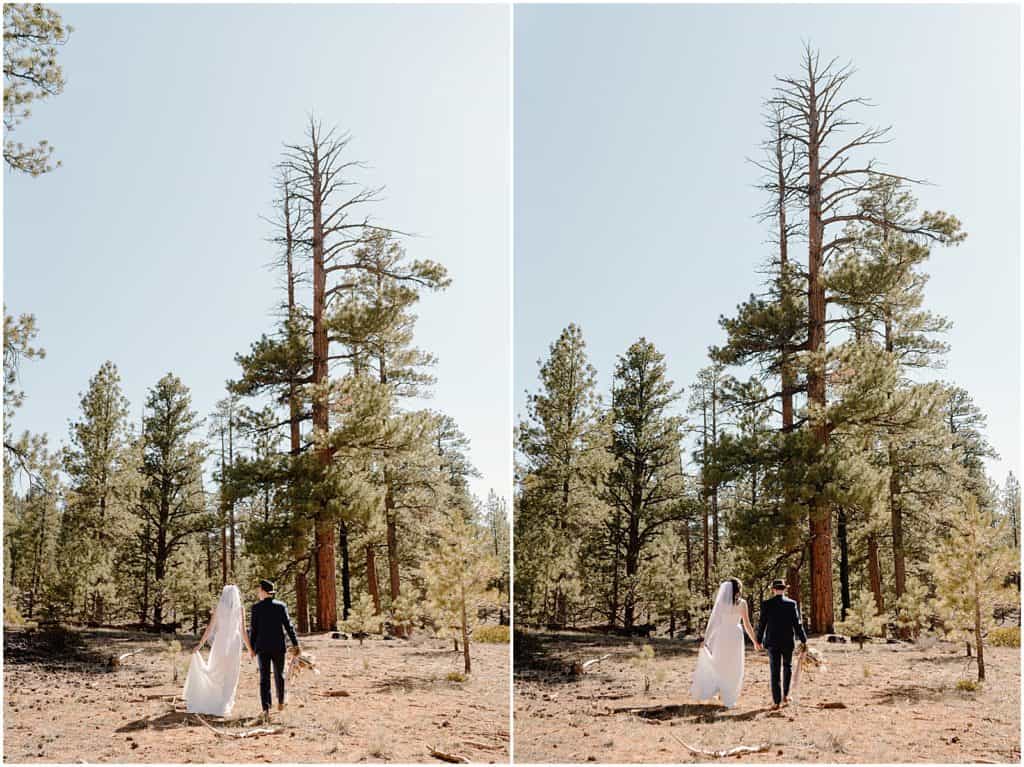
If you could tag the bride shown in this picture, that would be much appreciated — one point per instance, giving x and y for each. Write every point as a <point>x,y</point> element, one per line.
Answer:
<point>720,659</point>
<point>210,685</point>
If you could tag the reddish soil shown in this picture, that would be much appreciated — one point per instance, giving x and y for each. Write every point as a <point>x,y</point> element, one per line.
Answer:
<point>63,702</point>
<point>900,704</point>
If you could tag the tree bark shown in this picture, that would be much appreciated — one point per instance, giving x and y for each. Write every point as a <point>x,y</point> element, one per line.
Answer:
<point>371,577</point>
<point>346,570</point>
<point>978,643</point>
<point>326,594</point>
<point>465,630</point>
<point>875,574</point>
<point>822,608</point>
<point>844,564</point>
<point>793,584</point>
<point>302,600</point>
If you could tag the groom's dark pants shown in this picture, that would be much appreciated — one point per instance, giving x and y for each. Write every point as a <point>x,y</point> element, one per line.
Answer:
<point>780,659</point>
<point>266,660</point>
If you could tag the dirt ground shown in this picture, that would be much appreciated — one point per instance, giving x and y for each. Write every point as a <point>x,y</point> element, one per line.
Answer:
<point>64,703</point>
<point>901,705</point>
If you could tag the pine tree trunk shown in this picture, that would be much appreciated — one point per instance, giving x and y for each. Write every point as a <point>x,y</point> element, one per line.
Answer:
<point>371,578</point>
<point>616,561</point>
<point>899,567</point>
<point>231,502</point>
<point>465,632</point>
<point>844,564</point>
<point>346,571</point>
<point>794,586</point>
<point>632,556</point>
<point>978,640</point>
<point>704,508</point>
<point>714,483</point>
<point>822,608</point>
<point>875,574</point>
<point>326,594</point>
<point>302,600</point>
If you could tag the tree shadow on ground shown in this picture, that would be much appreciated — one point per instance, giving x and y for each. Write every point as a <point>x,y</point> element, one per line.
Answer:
<point>553,657</point>
<point>54,648</point>
<point>164,721</point>
<point>694,712</point>
<point>437,652</point>
<point>405,683</point>
<point>179,718</point>
<point>912,692</point>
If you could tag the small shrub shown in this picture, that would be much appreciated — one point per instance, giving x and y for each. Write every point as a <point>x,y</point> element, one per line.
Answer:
<point>836,742</point>
<point>644,660</point>
<point>491,634</point>
<point>867,670</point>
<point>1007,636</point>
<point>456,676</point>
<point>172,650</point>
<point>377,747</point>
<point>967,685</point>
<point>12,617</point>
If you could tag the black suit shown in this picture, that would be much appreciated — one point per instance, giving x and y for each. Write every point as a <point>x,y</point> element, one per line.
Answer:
<point>777,629</point>
<point>267,626</point>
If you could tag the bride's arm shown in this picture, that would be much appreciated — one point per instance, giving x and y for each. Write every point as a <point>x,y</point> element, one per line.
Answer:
<point>245,634</point>
<point>747,627</point>
<point>206,635</point>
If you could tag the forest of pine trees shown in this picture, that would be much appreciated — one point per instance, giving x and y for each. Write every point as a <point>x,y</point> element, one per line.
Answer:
<point>819,444</point>
<point>318,469</point>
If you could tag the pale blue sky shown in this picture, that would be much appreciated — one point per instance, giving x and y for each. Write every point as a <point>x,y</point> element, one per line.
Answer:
<point>634,203</point>
<point>147,248</point>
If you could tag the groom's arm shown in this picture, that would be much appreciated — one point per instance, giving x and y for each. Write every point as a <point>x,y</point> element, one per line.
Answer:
<point>761,624</point>
<point>252,627</point>
<point>288,625</point>
<point>798,624</point>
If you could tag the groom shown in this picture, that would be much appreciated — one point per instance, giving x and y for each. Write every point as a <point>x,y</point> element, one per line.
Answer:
<point>267,628</point>
<point>777,628</point>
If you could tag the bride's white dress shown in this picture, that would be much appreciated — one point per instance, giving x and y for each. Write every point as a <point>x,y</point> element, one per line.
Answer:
<point>719,668</point>
<point>211,683</point>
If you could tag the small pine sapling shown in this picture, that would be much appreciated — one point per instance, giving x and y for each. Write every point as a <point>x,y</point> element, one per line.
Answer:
<point>861,621</point>
<point>362,619</point>
<point>970,569</point>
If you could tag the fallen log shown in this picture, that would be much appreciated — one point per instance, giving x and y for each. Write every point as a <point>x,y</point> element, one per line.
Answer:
<point>451,758</point>
<point>594,662</point>
<point>334,694</point>
<point>722,753</point>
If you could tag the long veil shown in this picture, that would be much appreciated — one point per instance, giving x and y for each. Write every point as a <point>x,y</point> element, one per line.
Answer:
<point>719,669</point>
<point>719,617</point>
<point>211,683</point>
<point>227,625</point>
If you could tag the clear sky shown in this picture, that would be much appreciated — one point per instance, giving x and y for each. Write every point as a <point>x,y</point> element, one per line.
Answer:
<point>634,202</point>
<point>147,248</point>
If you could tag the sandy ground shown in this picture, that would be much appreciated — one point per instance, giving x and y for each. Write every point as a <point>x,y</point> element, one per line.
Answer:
<point>901,705</point>
<point>63,703</point>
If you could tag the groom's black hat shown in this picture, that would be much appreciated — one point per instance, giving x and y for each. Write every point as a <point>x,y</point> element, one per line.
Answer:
<point>778,584</point>
<point>267,586</point>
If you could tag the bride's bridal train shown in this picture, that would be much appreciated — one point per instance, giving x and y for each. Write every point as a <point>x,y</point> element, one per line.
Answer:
<point>719,668</point>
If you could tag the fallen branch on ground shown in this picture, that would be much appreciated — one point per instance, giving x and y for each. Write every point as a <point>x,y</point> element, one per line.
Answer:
<point>334,694</point>
<point>121,658</point>
<point>482,746</point>
<point>722,753</point>
<point>452,758</point>
<point>254,733</point>
<point>594,662</point>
